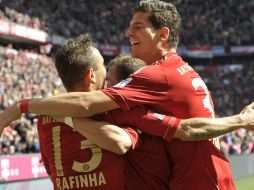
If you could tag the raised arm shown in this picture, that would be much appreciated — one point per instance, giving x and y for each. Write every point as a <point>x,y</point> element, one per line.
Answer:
<point>74,104</point>
<point>193,129</point>
<point>196,129</point>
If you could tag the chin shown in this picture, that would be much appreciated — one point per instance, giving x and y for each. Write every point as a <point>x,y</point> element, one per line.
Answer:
<point>135,55</point>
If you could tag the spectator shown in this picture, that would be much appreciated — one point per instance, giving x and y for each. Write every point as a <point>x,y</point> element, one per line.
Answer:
<point>24,74</point>
<point>212,22</point>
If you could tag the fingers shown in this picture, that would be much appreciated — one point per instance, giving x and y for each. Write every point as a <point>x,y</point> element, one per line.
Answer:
<point>247,108</point>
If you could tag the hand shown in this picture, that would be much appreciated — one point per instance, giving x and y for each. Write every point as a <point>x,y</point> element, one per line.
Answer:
<point>247,115</point>
<point>9,115</point>
<point>248,107</point>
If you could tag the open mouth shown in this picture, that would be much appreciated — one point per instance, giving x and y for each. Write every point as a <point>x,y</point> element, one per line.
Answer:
<point>133,43</point>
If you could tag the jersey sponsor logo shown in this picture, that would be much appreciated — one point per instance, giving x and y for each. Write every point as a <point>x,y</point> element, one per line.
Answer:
<point>123,83</point>
<point>80,181</point>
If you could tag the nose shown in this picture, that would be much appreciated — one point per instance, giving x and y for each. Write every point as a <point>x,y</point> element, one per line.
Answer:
<point>128,33</point>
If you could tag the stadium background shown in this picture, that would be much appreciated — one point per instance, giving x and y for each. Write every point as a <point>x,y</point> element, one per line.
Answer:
<point>217,40</point>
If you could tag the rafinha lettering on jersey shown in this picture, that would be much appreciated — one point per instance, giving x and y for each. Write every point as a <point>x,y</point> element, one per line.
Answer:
<point>80,181</point>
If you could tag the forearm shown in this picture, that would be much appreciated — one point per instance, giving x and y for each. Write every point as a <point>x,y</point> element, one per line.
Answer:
<point>75,104</point>
<point>103,134</point>
<point>196,129</point>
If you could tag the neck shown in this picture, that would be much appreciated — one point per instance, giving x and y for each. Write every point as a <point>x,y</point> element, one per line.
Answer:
<point>80,88</point>
<point>155,57</point>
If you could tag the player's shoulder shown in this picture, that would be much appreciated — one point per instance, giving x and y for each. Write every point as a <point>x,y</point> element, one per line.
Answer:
<point>149,70</point>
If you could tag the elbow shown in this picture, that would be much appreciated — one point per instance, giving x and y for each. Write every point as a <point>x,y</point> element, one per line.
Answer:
<point>184,133</point>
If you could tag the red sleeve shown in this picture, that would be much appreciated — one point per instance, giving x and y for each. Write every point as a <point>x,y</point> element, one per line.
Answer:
<point>43,157</point>
<point>145,120</point>
<point>133,136</point>
<point>148,86</point>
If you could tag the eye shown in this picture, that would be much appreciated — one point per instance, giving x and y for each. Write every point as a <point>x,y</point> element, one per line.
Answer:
<point>138,27</point>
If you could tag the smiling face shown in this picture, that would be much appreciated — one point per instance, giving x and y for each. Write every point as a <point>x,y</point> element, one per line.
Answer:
<point>144,38</point>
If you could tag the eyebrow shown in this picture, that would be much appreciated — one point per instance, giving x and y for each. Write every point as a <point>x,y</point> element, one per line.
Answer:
<point>136,23</point>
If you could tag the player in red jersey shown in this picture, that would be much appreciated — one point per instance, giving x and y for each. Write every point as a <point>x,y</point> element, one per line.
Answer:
<point>120,68</point>
<point>159,125</point>
<point>196,123</point>
<point>72,160</point>
<point>149,35</point>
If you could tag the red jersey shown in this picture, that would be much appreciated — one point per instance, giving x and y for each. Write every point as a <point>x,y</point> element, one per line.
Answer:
<point>172,87</point>
<point>73,162</point>
<point>146,120</point>
<point>150,151</point>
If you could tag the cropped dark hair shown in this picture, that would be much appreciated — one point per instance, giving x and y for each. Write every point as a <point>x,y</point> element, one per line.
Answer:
<point>162,14</point>
<point>74,59</point>
<point>126,65</point>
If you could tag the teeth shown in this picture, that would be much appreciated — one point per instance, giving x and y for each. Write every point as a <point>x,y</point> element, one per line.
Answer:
<point>134,43</point>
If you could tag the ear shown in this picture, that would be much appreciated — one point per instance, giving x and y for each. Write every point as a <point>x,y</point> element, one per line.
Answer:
<point>90,77</point>
<point>164,33</point>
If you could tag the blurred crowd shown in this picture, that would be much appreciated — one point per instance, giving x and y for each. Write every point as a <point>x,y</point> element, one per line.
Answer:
<point>26,74</point>
<point>231,91</point>
<point>210,22</point>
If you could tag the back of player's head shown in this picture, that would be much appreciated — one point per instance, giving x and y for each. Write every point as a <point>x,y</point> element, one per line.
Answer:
<point>162,14</point>
<point>74,59</point>
<point>121,67</point>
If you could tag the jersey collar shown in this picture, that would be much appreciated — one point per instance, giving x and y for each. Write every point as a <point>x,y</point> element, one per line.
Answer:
<point>165,57</point>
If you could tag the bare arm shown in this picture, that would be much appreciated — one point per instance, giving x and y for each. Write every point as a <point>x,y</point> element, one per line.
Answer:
<point>196,129</point>
<point>112,138</point>
<point>168,127</point>
<point>74,104</point>
<point>103,134</point>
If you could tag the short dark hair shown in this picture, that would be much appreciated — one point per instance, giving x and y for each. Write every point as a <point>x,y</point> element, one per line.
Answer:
<point>74,59</point>
<point>162,14</point>
<point>126,65</point>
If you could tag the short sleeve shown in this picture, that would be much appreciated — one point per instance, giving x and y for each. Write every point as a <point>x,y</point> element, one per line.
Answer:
<point>156,124</point>
<point>134,136</point>
<point>148,86</point>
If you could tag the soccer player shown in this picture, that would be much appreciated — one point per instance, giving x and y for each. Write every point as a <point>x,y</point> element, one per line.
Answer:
<point>158,125</point>
<point>121,67</point>
<point>169,86</point>
<point>75,162</point>
<point>72,160</point>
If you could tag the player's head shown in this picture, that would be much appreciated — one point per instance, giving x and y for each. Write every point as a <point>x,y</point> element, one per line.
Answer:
<point>154,28</point>
<point>80,65</point>
<point>121,67</point>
